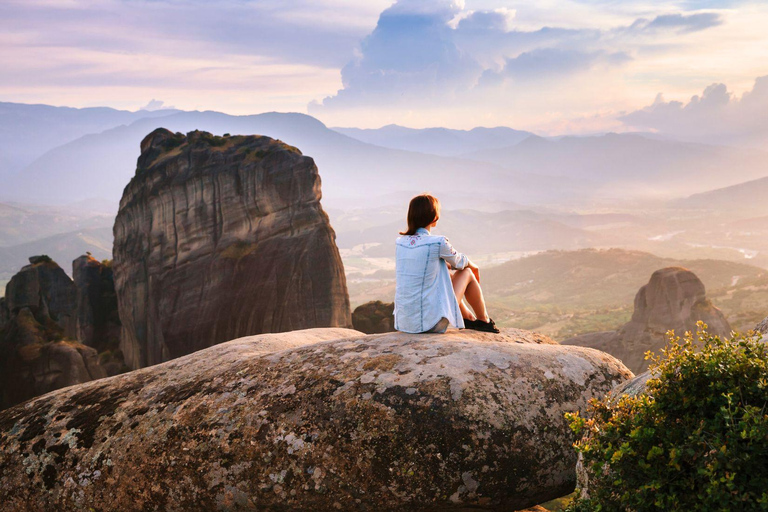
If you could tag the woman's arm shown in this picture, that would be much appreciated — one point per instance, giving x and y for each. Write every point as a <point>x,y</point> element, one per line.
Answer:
<point>454,258</point>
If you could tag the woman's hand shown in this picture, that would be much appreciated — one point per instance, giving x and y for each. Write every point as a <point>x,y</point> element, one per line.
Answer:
<point>475,270</point>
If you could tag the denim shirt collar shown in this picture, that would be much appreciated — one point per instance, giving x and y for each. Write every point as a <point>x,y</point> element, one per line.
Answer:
<point>422,231</point>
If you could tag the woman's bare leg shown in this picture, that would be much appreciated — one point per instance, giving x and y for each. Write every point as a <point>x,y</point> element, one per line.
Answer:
<point>466,313</point>
<point>465,284</point>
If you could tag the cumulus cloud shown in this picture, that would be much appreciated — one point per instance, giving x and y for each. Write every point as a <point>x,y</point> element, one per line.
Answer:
<point>715,116</point>
<point>428,52</point>
<point>410,56</point>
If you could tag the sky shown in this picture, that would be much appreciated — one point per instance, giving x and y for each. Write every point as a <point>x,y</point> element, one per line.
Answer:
<point>696,70</point>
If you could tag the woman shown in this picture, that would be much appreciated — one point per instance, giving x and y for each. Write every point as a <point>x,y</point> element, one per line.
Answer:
<point>427,297</point>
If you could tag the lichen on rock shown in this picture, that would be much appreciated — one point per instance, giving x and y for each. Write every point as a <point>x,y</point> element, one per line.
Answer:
<point>321,419</point>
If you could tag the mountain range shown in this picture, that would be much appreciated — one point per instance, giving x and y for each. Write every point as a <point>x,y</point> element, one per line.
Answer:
<point>90,153</point>
<point>438,141</point>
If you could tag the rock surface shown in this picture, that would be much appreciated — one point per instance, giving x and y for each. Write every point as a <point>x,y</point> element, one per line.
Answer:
<point>374,317</point>
<point>291,422</point>
<point>673,299</point>
<point>221,237</point>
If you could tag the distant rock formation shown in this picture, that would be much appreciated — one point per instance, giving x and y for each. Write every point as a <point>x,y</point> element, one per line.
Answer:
<point>374,317</point>
<point>44,288</point>
<point>38,353</point>
<point>221,237</point>
<point>282,422</point>
<point>98,322</point>
<point>674,299</point>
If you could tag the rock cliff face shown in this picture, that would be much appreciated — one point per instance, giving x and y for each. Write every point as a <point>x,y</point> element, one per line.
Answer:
<point>673,299</point>
<point>98,323</point>
<point>221,237</point>
<point>323,419</point>
<point>37,351</point>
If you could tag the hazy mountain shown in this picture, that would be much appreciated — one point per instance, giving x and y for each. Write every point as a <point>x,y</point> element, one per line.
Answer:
<point>630,164</point>
<point>749,196</point>
<point>28,131</point>
<point>20,223</point>
<point>353,172</point>
<point>437,141</point>
<point>63,248</point>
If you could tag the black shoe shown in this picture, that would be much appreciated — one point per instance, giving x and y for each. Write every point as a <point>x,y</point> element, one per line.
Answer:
<point>479,325</point>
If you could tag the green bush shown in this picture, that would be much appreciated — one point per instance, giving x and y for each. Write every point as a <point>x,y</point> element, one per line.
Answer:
<point>696,439</point>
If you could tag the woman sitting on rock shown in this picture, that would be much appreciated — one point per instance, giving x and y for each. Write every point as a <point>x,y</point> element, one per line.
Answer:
<point>427,296</point>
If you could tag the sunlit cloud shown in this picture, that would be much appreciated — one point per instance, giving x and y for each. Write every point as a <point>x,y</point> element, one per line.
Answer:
<point>715,116</point>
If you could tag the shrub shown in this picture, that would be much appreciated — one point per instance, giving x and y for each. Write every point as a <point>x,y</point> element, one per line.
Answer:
<point>696,439</point>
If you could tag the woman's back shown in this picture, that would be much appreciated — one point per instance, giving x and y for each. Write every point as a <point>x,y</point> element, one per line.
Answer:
<point>423,292</point>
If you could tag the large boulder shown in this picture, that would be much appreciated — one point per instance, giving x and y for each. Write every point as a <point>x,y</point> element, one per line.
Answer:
<point>221,237</point>
<point>374,317</point>
<point>292,422</point>
<point>673,299</point>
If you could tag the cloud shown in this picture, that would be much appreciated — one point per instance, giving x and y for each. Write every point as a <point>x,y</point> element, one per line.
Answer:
<point>550,63</point>
<point>678,22</point>
<point>432,52</point>
<point>156,105</point>
<point>715,116</point>
<point>495,20</point>
<point>409,57</point>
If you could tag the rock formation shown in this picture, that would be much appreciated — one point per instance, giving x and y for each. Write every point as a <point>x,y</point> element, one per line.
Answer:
<point>762,327</point>
<point>221,237</point>
<point>44,288</point>
<point>37,350</point>
<point>98,323</point>
<point>374,317</point>
<point>322,419</point>
<point>673,299</point>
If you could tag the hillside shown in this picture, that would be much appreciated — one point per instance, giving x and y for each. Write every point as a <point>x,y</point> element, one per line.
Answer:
<point>567,293</point>
<point>748,196</point>
<point>21,223</point>
<point>63,247</point>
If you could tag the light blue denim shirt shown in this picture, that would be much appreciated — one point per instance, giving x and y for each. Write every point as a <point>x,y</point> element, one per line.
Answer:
<point>423,290</point>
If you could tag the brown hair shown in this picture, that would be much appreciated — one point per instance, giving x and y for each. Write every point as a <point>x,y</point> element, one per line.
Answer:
<point>422,211</point>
